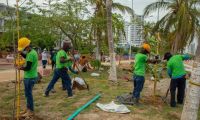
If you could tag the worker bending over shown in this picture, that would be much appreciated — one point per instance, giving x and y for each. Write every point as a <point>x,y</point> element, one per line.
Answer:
<point>177,73</point>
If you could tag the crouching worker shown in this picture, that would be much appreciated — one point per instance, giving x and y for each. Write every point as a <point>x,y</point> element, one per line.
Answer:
<point>141,60</point>
<point>177,73</point>
<point>61,70</point>
<point>30,73</point>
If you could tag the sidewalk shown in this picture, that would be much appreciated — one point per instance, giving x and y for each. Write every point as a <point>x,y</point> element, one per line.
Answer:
<point>117,62</point>
<point>4,62</point>
<point>10,75</point>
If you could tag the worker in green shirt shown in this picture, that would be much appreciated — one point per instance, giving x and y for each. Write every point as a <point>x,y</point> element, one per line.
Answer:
<point>62,60</point>
<point>141,60</point>
<point>177,73</point>
<point>30,73</point>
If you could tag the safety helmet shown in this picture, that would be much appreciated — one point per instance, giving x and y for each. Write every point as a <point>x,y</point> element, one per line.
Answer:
<point>146,47</point>
<point>23,43</point>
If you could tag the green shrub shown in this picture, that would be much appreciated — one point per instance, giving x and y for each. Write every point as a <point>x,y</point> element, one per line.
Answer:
<point>96,64</point>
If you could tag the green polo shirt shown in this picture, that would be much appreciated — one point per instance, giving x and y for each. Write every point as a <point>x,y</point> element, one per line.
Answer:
<point>175,66</point>
<point>61,53</point>
<point>140,64</point>
<point>32,56</point>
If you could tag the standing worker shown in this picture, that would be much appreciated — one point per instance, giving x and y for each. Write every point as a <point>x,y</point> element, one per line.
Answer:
<point>177,73</point>
<point>44,58</point>
<point>53,58</point>
<point>30,73</point>
<point>141,60</point>
<point>62,60</point>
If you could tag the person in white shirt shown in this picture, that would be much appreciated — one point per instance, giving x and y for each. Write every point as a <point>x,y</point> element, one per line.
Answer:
<point>44,58</point>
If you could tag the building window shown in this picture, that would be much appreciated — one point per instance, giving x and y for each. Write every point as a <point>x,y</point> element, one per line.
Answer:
<point>1,22</point>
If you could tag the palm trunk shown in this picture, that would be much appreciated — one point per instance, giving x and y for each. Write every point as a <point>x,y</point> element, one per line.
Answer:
<point>198,48</point>
<point>112,75</point>
<point>174,48</point>
<point>98,57</point>
<point>191,106</point>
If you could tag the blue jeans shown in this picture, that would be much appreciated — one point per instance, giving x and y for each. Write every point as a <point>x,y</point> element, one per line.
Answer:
<point>60,73</point>
<point>138,85</point>
<point>28,87</point>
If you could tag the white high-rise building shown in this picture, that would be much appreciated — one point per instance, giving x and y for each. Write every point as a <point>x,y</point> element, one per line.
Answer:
<point>4,9</point>
<point>123,39</point>
<point>136,28</point>
<point>133,32</point>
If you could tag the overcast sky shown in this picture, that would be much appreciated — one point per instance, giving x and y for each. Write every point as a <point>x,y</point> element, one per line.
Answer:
<point>138,5</point>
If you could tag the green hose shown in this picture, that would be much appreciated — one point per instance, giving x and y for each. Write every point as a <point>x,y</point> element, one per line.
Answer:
<point>71,117</point>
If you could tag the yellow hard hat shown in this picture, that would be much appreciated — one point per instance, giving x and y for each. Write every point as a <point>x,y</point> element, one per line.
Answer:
<point>146,47</point>
<point>23,43</point>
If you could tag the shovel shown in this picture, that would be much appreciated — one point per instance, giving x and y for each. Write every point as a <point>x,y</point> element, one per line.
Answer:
<point>165,98</point>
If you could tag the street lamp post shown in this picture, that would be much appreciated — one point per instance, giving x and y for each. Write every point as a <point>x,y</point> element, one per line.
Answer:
<point>130,40</point>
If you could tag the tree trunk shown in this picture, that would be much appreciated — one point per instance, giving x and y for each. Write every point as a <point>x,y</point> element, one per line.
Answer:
<point>98,57</point>
<point>198,48</point>
<point>112,74</point>
<point>191,106</point>
<point>174,48</point>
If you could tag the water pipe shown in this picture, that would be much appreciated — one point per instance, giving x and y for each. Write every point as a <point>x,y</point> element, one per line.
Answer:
<point>71,117</point>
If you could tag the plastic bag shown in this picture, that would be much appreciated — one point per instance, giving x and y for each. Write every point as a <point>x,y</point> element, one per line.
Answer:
<point>112,107</point>
<point>95,74</point>
<point>79,80</point>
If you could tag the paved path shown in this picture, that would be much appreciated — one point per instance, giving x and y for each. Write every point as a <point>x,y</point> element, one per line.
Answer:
<point>10,74</point>
<point>7,71</point>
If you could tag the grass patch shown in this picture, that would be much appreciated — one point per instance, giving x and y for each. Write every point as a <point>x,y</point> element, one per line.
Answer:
<point>57,106</point>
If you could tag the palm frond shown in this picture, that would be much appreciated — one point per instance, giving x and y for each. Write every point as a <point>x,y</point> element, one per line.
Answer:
<point>154,6</point>
<point>122,8</point>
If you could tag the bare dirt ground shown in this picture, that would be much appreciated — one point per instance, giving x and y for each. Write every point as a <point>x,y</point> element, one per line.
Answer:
<point>138,113</point>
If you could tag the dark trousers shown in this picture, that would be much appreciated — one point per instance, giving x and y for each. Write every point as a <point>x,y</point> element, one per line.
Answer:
<point>60,73</point>
<point>28,87</point>
<point>138,85</point>
<point>180,84</point>
<point>44,63</point>
<point>53,64</point>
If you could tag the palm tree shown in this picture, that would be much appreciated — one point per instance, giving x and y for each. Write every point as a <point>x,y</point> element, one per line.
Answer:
<point>180,24</point>
<point>192,101</point>
<point>191,106</point>
<point>99,22</point>
<point>113,75</point>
